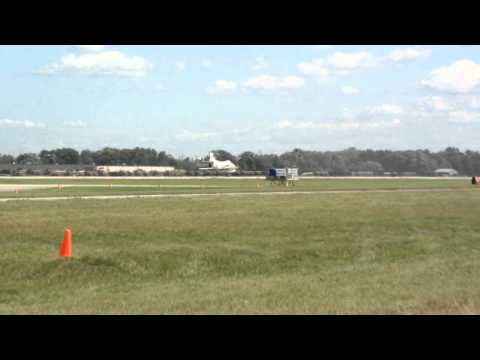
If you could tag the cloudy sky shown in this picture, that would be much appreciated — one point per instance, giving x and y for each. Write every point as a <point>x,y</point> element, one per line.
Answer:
<point>187,100</point>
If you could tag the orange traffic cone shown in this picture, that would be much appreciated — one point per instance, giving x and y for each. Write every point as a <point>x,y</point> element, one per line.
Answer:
<point>66,248</point>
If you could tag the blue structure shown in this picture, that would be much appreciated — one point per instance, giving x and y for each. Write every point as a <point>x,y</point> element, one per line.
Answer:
<point>282,175</point>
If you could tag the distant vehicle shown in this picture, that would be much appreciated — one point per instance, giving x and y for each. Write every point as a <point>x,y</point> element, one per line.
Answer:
<point>446,172</point>
<point>215,165</point>
<point>283,175</point>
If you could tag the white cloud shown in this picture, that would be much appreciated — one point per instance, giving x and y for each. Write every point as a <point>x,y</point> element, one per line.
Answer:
<point>338,125</point>
<point>350,90</point>
<point>471,101</point>
<point>74,124</point>
<point>462,76</point>
<point>267,82</point>
<point>180,65</point>
<point>99,63</point>
<point>386,109</point>
<point>319,47</point>
<point>222,87</point>
<point>436,103</point>
<point>362,59</point>
<point>207,63</point>
<point>90,47</point>
<point>187,135</point>
<point>26,124</point>
<point>260,64</point>
<point>461,109</point>
<point>344,63</point>
<point>408,54</point>
<point>262,82</point>
<point>463,116</point>
<point>340,63</point>
<point>315,67</point>
<point>160,87</point>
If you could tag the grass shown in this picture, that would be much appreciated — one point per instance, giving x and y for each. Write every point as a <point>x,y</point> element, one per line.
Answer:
<point>349,253</point>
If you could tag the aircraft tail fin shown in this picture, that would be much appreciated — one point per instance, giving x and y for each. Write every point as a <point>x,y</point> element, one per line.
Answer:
<point>211,156</point>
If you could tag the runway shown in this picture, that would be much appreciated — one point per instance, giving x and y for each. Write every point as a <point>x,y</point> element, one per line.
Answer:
<point>233,194</point>
<point>13,187</point>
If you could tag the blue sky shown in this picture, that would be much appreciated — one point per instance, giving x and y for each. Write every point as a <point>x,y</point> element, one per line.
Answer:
<point>188,100</point>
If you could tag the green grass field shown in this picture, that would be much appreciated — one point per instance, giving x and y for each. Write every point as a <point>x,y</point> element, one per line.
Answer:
<point>345,253</point>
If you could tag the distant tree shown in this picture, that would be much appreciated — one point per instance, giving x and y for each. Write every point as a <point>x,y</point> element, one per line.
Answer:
<point>27,159</point>
<point>106,156</point>
<point>66,156</point>
<point>423,162</point>
<point>339,167</point>
<point>247,161</point>
<point>6,159</point>
<point>87,157</point>
<point>190,165</point>
<point>468,163</point>
<point>454,156</point>
<point>475,161</point>
<point>47,157</point>
<point>263,162</point>
<point>426,163</point>
<point>142,156</point>
<point>164,159</point>
<point>368,165</point>
<point>223,155</point>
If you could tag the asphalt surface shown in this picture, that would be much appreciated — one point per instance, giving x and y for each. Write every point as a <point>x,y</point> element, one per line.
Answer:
<point>269,193</point>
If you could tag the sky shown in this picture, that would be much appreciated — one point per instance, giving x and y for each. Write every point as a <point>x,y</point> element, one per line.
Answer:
<point>188,100</point>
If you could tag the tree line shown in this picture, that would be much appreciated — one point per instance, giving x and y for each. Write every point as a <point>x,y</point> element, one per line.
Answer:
<point>335,163</point>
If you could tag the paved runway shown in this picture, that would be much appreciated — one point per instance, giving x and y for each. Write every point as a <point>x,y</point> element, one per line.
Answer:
<point>13,187</point>
<point>269,193</point>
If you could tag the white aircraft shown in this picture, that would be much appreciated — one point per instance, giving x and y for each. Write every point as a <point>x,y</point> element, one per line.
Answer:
<point>224,166</point>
